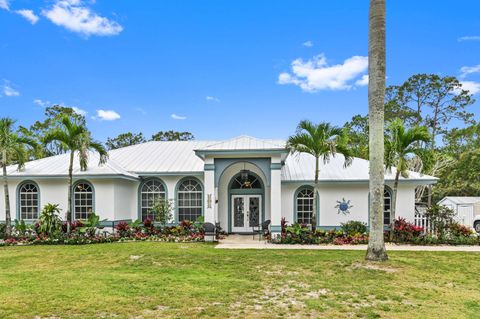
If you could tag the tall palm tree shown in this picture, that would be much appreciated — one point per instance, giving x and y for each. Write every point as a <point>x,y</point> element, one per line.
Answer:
<point>13,147</point>
<point>73,136</point>
<point>376,96</point>
<point>400,143</point>
<point>322,141</point>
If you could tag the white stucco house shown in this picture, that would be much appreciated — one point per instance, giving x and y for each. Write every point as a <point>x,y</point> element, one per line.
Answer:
<point>237,183</point>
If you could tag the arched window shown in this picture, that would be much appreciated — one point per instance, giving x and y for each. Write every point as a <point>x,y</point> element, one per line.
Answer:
<point>189,200</point>
<point>246,181</point>
<point>82,200</point>
<point>151,191</point>
<point>304,205</point>
<point>28,201</point>
<point>387,205</point>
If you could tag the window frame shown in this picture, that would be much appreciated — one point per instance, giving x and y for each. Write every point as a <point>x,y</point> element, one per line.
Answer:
<point>74,206</point>
<point>140,194</point>
<point>177,197</point>
<point>296,206</point>
<point>19,200</point>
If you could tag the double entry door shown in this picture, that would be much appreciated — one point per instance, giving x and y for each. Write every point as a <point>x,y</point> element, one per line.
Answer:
<point>246,212</point>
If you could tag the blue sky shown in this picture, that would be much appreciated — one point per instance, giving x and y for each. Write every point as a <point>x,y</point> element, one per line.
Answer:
<point>219,68</point>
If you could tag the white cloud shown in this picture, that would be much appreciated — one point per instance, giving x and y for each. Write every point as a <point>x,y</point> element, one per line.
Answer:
<point>107,115</point>
<point>8,90</point>
<point>362,81</point>
<point>212,98</point>
<point>41,103</point>
<point>78,110</point>
<point>76,17</point>
<point>469,38</point>
<point>29,15</point>
<point>4,4</point>
<point>315,74</point>
<point>466,70</point>
<point>471,86</point>
<point>178,117</point>
<point>308,44</point>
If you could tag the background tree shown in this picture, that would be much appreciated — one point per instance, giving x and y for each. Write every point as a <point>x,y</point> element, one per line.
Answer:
<point>322,141</point>
<point>172,136</point>
<point>400,144</point>
<point>53,118</point>
<point>125,139</point>
<point>72,136</point>
<point>13,148</point>
<point>376,96</point>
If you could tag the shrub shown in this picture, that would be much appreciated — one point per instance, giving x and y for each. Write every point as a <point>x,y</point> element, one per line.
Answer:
<point>354,227</point>
<point>162,210</point>
<point>440,217</point>
<point>123,229</point>
<point>457,230</point>
<point>405,231</point>
<point>2,230</point>
<point>50,222</point>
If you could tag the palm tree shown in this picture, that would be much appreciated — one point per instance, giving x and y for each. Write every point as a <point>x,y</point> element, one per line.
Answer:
<point>321,141</point>
<point>73,136</point>
<point>400,143</point>
<point>13,147</point>
<point>376,96</point>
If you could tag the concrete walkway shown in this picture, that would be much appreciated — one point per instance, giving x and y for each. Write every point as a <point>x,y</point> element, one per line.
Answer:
<point>247,242</point>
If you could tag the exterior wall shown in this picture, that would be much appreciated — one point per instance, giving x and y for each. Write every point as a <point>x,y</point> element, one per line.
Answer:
<point>329,194</point>
<point>126,200</point>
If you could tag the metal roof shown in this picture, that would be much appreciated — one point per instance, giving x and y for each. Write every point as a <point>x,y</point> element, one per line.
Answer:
<point>179,157</point>
<point>459,200</point>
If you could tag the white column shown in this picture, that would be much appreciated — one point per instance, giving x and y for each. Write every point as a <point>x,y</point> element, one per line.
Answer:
<point>209,192</point>
<point>275,198</point>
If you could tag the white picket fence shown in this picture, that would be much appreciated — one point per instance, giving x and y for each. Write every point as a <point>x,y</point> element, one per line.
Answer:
<point>422,221</point>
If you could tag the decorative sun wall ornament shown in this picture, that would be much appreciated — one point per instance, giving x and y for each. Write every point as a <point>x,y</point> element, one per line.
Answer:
<point>343,206</point>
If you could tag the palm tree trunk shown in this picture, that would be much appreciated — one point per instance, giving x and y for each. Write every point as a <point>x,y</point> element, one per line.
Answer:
<point>8,218</point>
<point>376,96</point>
<point>68,216</point>
<point>314,206</point>
<point>394,204</point>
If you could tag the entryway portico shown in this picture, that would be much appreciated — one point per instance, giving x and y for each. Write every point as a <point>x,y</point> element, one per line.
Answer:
<point>242,179</point>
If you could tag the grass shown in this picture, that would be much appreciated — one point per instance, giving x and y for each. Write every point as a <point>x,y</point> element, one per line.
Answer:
<point>153,280</point>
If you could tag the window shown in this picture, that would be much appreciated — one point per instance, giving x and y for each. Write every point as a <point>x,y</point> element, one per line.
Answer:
<point>304,202</point>
<point>246,181</point>
<point>150,192</point>
<point>82,200</point>
<point>387,204</point>
<point>29,201</point>
<point>190,200</point>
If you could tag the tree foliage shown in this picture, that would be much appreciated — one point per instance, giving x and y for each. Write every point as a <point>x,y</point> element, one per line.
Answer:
<point>172,136</point>
<point>125,139</point>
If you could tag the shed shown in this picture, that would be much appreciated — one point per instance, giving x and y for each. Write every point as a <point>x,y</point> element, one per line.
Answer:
<point>465,207</point>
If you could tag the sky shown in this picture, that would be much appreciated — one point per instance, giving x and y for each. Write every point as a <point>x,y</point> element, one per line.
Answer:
<point>220,69</point>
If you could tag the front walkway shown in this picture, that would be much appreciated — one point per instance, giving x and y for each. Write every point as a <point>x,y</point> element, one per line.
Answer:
<point>247,242</point>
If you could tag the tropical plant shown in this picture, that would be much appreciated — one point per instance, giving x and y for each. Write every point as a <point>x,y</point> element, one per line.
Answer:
<point>322,141</point>
<point>14,149</point>
<point>74,137</point>
<point>50,221</point>
<point>90,225</point>
<point>162,210</point>
<point>354,227</point>
<point>440,217</point>
<point>21,228</point>
<point>400,144</point>
<point>376,113</point>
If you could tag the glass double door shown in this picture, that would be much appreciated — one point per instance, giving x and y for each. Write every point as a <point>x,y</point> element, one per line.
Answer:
<point>246,212</point>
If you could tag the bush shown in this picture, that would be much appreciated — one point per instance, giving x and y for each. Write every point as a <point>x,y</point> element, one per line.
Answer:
<point>405,231</point>
<point>2,230</point>
<point>441,218</point>
<point>353,227</point>
<point>457,230</point>
<point>123,229</point>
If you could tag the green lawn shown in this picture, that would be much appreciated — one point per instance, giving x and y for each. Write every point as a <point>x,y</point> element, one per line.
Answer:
<point>158,280</point>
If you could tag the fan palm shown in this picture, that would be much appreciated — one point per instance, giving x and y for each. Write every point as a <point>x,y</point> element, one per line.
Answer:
<point>73,136</point>
<point>400,144</point>
<point>321,141</point>
<point>14,149</point>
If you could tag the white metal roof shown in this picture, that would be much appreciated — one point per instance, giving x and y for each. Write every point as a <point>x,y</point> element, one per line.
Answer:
<point>179,158</point>
<point>459,200</point>
<point>301,167</point>
<point>245,143</point>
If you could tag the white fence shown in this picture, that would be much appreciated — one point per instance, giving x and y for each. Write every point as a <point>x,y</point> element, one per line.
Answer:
<point>422,221</point>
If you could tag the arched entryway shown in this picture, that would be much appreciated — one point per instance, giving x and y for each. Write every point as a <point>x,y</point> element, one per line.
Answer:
<point>246,202</point>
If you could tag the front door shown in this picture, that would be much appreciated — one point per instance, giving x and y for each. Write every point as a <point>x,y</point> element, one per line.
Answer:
<point>246,212</point>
